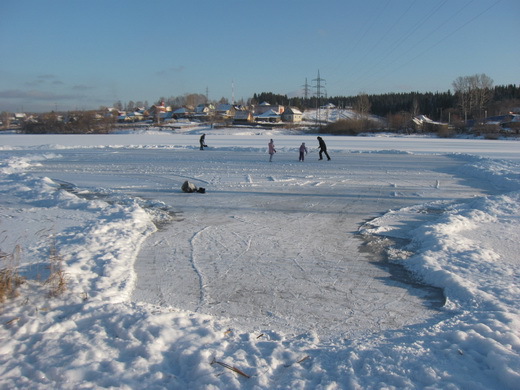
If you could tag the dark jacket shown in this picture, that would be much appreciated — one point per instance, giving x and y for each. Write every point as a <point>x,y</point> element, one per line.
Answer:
<point>322,144</point>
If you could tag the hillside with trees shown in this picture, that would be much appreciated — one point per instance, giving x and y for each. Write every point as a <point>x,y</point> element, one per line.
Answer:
<point>472,103</point>
<point>473,99</point>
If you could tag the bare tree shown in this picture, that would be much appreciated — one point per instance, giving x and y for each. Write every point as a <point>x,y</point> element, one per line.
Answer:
<point>462,91</point>
<point>482,92</point>
<point>362,106</point>
<point>5,118</point>
<point>118,105</point>
<point>415,106</point>
<point>473,93</point>
<point>401,121</point>
<point>194,99</point>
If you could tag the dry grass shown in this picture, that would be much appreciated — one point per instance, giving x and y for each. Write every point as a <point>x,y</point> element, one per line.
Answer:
<point>10,278</point>
<point>57,280</point>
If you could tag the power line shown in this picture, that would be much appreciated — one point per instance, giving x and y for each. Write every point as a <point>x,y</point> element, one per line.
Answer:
<point>319,87</point>
<point>441,40</point>
<point>369,26</point>
<point>399,42</point>
<point>319,93</point>
<point>361,59</point>
<point>305,89</point>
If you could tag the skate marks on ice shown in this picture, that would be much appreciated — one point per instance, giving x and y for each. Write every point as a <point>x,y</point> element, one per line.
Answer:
<point>279,279</point>
<point>271,246</point>
<point>279,251</point>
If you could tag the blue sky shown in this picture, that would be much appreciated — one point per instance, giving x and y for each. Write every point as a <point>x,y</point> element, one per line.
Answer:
<point>72,54</point>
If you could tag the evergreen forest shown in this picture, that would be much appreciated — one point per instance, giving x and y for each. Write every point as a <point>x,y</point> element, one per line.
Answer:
<point>438,106</point>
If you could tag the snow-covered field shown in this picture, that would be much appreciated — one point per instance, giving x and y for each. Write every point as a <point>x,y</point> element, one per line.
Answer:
<point>274,277</point>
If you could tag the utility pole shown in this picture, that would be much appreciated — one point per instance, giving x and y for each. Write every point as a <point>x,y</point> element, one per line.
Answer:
<point>319,93</point>
<point>305,89</point>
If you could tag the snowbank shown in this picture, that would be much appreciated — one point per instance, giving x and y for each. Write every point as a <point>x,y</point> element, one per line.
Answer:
<point>471,251</point>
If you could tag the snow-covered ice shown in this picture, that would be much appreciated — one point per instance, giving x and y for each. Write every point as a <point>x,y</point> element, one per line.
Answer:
<point>274,271</point>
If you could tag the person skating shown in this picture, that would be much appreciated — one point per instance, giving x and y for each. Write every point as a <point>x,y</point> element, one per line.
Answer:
<point>303,151</point>
<point>272,150</point>
<point>203,142</point>
<point>323,149</point>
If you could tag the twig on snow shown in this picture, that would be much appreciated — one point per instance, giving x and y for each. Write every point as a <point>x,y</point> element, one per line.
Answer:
<point>232,368</point>
<point>13,321</point>
<point>298,361</point>
<point>303,359</point>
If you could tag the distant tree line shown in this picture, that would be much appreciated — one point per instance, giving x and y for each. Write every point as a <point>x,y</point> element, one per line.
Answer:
<point>473,98</point>
<point>77,122</point>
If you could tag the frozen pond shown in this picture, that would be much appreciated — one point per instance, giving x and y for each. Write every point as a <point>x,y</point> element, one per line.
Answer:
<point>267,271</point>
<point>272,245</point>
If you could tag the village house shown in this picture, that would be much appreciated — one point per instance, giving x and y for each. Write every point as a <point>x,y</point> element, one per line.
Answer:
<point>264,107</point>
<point>328,106</point>
<point>157,109</point>
<point>135,116</point>
<point>509,123</point>
<point>243,117</point>
<point>225,111</point>
<point>292,114</point>
<point>166,116</point>
<point>270,116</point>
<point>423,123</point>
<point>204,109</point>
<point>182,112</point>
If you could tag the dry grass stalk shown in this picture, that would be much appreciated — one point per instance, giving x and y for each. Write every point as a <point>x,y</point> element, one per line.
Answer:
<point>298,361</point>
<point>10,279</point>
<point>232,368</point>
<point>13,321</point>
<point>303,359</point>
<point>57,280</point>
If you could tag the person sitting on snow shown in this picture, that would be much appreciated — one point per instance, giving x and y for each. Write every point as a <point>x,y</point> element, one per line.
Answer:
<point>190,187</point>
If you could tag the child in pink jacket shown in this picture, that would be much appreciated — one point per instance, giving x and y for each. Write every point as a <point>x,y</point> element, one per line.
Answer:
<point>272,150</point>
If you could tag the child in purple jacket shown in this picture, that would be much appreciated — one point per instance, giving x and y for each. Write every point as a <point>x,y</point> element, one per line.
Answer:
<point>303,151</point>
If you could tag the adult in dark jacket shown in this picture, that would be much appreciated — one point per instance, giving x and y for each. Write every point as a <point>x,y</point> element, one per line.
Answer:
<point>202,141</point>
<point>323,149</point>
